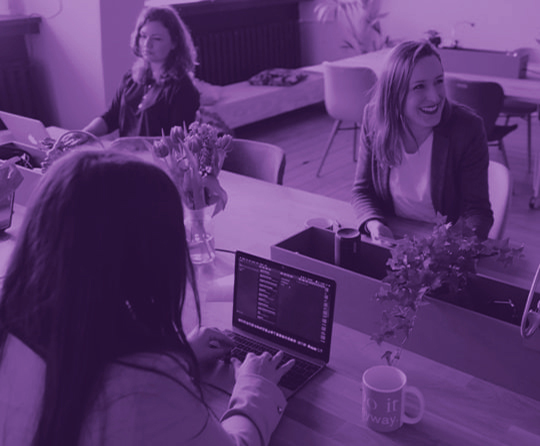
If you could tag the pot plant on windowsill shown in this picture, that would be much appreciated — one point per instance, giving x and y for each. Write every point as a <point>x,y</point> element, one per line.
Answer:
<point>360,20</point>
<point>441,264</point>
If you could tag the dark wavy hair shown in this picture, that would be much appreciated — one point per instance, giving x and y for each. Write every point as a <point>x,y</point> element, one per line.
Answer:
<point>385,112</point>
<point>182,59</point>
<point>99,272</point>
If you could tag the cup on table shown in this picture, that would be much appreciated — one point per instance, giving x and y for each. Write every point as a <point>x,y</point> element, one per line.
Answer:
<point>347,248</point>
<point>320,222</point>
<point>384,395</point>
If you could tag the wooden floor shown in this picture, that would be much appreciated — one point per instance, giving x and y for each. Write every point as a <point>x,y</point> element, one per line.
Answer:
<point>303,135</point>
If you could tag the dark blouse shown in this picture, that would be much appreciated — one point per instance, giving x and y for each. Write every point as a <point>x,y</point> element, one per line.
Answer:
<point>146,110</point>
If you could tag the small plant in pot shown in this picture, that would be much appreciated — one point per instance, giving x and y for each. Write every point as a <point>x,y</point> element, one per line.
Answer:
<point>441,264</point>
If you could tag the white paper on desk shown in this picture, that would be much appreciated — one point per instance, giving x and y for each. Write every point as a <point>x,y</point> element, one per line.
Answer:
<point>221,290</point>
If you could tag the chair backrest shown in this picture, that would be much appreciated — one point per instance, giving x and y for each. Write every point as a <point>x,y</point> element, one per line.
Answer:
<point>485,98</point>
<point>347,90</point>
<point>500,191</point>
<point>257,160</point>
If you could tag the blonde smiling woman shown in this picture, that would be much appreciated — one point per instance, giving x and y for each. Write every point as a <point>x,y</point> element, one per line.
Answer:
<point>419,153</point>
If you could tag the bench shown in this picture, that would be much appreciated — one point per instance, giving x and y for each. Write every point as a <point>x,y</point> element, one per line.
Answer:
<point>241,103</point>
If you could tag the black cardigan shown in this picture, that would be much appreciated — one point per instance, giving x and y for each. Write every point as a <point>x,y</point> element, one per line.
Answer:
<point>459,169</point>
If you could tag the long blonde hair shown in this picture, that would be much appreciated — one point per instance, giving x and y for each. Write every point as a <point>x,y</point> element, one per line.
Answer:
<point>386,121</point>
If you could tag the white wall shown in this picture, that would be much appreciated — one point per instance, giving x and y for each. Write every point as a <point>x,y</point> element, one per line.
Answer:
<point>117,22</point>
<point>83,48</point>
<point>68,47</point>
<point>499,24</point>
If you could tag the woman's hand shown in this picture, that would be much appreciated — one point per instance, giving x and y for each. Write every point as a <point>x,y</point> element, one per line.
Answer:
<point>264,365</point>
<point>209,344</point>
<point>379,232</point>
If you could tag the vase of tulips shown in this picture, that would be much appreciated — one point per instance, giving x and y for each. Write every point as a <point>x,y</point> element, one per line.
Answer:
<point>193,158</point>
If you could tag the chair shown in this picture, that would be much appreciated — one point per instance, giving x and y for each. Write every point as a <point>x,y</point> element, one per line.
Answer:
<point>514,108</point>
<point>347,89</point>
<point>257,160</point>
<point>500,191</point>
<point>486,99</point>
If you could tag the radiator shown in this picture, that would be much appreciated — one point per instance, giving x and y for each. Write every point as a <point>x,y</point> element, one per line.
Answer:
<point>235,55</point>
<point>16,89</point>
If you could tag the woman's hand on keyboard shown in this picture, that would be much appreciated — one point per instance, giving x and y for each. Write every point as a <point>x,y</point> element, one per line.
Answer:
<point>209,344</point>
<point>265,365</point>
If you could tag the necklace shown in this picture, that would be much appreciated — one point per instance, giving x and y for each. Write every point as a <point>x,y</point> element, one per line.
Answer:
<point>147,87</point>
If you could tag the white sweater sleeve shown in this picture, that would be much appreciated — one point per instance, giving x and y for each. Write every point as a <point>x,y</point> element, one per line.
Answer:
<point>258,400</point>
<point>142,408</point>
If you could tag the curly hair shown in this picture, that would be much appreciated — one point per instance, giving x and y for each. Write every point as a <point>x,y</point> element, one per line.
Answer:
<point>181,60</point>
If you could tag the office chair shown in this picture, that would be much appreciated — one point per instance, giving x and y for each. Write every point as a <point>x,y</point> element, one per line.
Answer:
<point>486,99</point>
<point>257,160</point>
<point>346,92</point>
<point>514,108</point>
<point>500,191</point>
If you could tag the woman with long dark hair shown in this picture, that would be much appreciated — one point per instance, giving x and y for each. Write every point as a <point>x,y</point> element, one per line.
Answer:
<point>92,346</point>
<point>419,153</point>
<point>158,92</point>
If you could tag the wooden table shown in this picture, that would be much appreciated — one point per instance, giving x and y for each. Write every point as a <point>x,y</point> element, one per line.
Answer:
<point>527,89</point>
<point>460,409</point>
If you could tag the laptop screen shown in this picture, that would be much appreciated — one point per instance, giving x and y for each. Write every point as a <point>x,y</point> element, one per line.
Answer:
<point>24,130</point>
<point>285,305</point>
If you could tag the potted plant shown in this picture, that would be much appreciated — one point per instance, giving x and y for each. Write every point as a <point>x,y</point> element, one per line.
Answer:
<point>360,20</point>
<point>441,264</point>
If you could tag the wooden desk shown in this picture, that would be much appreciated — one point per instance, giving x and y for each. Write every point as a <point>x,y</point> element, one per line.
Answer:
<point>460,409</point>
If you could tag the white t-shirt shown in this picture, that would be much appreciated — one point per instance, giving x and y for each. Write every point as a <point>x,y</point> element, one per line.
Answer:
<point>410,184</point>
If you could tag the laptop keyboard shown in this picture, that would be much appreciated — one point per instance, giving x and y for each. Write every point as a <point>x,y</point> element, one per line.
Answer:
<point>293,379</point>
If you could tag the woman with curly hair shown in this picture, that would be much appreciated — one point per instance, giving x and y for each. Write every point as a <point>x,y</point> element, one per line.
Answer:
<point>158,92</point>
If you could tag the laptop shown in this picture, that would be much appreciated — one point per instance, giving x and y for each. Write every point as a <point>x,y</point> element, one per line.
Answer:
<point>26,134</point>
<point>278,307</point>
<point>27,131</point>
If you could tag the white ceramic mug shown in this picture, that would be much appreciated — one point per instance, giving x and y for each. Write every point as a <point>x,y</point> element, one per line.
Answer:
<point>320,222</point>
<point>384,391</point>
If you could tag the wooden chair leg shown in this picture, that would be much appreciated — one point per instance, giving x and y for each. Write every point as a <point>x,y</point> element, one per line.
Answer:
<point>355,141</point>
<point>335,128</point>
<point>529,149</point>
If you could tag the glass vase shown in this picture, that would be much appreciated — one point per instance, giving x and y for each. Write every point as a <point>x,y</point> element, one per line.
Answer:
<point>199,225</point>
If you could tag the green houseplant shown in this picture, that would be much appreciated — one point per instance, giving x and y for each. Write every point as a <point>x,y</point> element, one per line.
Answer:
<point>439,264</point>
<point>360,20</point>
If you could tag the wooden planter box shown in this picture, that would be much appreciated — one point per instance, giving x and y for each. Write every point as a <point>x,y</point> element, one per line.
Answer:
<point>482,340</point>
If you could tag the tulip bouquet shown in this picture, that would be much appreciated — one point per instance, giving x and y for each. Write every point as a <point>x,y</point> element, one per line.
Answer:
<point>194,157</point>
